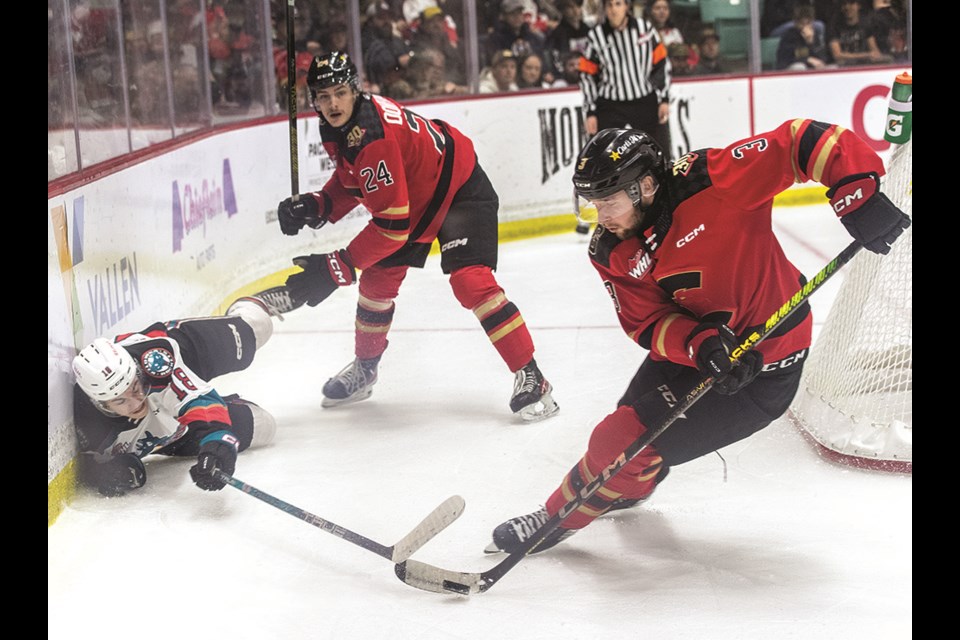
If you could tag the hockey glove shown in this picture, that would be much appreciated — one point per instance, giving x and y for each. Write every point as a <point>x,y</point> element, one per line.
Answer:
<point>311,209</point>
<point>120,475</point>
<point>709,346</point>
<point>868,214</point>
<point>217,451</point>
<point>322,274</point>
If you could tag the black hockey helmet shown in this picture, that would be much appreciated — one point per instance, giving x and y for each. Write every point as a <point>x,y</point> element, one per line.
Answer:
<point>615,160</point>
<point>332,69</point>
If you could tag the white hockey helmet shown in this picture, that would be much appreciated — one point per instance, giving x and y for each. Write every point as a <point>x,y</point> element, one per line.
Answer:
<point>104,370</point>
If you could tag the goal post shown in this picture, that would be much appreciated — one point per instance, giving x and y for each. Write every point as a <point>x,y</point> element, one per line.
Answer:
<point>856,394</point>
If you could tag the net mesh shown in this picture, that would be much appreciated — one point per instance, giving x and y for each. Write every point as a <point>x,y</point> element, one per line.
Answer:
<point>856,394</point>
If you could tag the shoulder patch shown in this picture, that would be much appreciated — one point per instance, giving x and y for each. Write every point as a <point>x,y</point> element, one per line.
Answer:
<point>690,175</point>
<point>157,362</point>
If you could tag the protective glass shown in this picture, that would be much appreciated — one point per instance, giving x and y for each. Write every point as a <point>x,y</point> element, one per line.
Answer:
<point>616,205</point>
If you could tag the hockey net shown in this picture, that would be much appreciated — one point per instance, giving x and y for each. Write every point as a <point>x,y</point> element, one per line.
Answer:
<point>856,394</point>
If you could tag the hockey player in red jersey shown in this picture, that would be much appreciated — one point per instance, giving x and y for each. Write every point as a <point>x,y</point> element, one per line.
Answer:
<point>689,258</point>
<point>149,392</point>
<point>421,180</point>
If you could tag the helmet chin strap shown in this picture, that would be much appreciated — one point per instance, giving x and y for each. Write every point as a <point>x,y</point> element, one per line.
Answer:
<point>657,215</point>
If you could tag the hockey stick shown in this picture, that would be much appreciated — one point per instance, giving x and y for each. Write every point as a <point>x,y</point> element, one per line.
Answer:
<point>292,102</point>
<point>438,520</point>
<point>431,578</point>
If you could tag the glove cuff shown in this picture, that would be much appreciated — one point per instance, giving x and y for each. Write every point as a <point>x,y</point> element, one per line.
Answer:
<point>341,268</point>
<point>851,192</point>
<point>704,331</point>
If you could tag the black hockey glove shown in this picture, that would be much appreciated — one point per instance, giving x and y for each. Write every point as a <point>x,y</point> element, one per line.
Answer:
<point>868,214</point>
<point>322,274</point>
<point>217,451</point>
<point>311,209</point>
<point>709,346</point>
<point>119,475</point>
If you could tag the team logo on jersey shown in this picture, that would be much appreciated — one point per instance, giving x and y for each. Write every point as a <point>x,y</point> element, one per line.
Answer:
<point>683,164</point>
<point>638,265</point>
<point>157,362</point>
<point>355,137</point>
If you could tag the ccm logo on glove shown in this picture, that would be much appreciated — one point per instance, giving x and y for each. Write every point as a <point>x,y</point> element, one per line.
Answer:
<point>848,197</point>
<point>337,270</point>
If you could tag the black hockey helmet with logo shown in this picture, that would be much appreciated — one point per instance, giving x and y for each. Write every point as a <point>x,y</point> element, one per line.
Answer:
<point>615,160</point>
<point>332,69</point>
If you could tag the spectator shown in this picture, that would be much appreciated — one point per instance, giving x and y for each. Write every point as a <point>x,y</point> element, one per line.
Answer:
<point>385,54</point>
<point>626,79</point>
<point>512,32</point>
<point>682,59</point>
<point>427,75</point>
<point>570,34</point>
<point>400,89</point>
<point>530,74</point>
<point>501,75</point>
<point>569,70</point>
<point>432,34</point>
<point>334,37</point>
<point>306,32</point>
<point>778,17</point>
<point>592,11</point>
<point>801,48</point>
<point>888,25</point>
<point>849,39</point>
<point>709,61</point>
<point>658,13</point>
<point>148,86</point>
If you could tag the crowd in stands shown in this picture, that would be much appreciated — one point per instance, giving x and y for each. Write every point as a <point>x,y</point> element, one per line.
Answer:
<point>414,49</point>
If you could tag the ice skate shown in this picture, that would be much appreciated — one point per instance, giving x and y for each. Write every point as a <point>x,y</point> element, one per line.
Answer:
<point>353,384</point>
<point>510,536</point>
<point>532,395</point>
<point>275,301</point>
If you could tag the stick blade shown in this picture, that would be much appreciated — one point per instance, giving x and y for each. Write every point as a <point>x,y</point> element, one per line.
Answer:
<point>430,578</point>
<point>438,520</point>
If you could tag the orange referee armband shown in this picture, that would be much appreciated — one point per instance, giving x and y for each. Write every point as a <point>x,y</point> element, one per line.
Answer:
<point>587,66</point>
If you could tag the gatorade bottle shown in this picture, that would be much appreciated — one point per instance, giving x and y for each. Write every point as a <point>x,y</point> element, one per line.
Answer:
<point>900,113</point>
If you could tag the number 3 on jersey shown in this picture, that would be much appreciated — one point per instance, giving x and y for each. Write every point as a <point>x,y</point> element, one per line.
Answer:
<point>372,178</point>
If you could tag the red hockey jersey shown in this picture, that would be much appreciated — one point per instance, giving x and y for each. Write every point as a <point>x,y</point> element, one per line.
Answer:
<point>404,168</point>
<point>718,259</point>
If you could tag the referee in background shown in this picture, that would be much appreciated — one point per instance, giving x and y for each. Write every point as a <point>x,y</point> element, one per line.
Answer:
<point>625,76</point>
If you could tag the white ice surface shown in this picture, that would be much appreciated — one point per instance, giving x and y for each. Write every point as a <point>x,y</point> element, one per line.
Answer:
<point>769,542</point>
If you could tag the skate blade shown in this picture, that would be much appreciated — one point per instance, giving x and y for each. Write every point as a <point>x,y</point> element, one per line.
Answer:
<point>328,403</point>
<point>541,410</point>
<point>492,548</point>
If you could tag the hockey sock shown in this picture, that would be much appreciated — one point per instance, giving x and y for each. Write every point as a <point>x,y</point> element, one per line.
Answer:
<point>374,318</point>
<point>476,289</point>
<point>636,479</point>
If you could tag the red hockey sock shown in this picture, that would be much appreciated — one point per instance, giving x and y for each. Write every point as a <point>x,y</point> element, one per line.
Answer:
<point>608,441</point>
<point>476,289</point>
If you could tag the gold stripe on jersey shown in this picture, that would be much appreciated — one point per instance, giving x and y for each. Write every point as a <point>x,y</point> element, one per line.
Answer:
<point>660,337</point>
<point>395,237</point>
<point>395,212</point>
<point>820,163</point>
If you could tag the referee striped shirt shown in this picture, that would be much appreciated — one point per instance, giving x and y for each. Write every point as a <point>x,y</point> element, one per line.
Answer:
<point>624,65</point>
